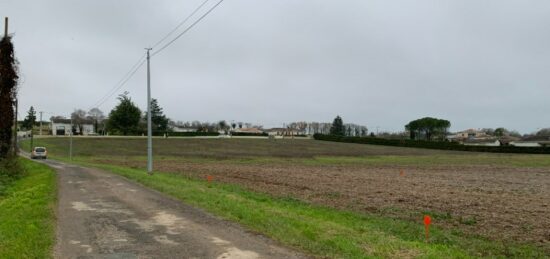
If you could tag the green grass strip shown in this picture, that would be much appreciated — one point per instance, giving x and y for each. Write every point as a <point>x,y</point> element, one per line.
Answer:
<point>27,218</point>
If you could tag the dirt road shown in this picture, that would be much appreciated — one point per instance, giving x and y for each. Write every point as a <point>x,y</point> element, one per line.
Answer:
<point>101,215</point>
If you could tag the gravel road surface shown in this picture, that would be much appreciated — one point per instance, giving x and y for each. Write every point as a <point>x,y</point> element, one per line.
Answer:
<point>101,215</point>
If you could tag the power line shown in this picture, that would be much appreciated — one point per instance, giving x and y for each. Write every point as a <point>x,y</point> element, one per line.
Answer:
<point>141,60</point>
<point>117,86</point>
<point>180,24</point>
<point>188,28</point>
<point>121,82</point>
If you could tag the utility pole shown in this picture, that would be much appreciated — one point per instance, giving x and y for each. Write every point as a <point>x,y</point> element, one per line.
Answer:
<point>149,133</point>
<point>6,27</point>
<point>32,135</point>
<point>32,132</point>
<point>71,142</point>
<point>15,148</point>
<point>15,117</point>
<point>41,123</point>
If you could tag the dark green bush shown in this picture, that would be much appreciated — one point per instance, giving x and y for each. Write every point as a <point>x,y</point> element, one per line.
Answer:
<point>263,134</point>
<point>10,170</point>
<point>190,134</point>
<point>443,145</point>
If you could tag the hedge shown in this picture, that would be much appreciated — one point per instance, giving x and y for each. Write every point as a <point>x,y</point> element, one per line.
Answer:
<point>249,134</point>
<point>443,145</point>
<point>186,134</point>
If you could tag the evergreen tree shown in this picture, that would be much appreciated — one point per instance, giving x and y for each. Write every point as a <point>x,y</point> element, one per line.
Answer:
<point>8,93</point>
<point>429,127</point>
<point>159,122</point>
<point>29,121</point>
<point>337,127</point>
<point>124,118</point>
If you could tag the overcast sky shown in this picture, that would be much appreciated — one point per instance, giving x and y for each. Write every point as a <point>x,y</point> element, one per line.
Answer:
<point>377,63</point>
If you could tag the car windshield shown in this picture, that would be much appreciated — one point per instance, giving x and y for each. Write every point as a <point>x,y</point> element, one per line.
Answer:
<point>40,149</point>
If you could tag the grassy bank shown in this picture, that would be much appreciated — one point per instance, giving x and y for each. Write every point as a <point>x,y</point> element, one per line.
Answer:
<point>27,217</point>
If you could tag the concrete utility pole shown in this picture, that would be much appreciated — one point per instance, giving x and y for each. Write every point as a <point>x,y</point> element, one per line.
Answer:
<point>6,27</point>
<point>15,117</point>
<point>71,141</point>
<point>41,123</point>
<point>15,148</point>
<point>149,133</point>
<point>32,136</point>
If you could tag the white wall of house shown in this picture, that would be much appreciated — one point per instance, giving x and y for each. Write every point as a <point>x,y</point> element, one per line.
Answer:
<point>24,133</point>
<point>524,144</point>
<point>180,129</point>
<point>487,144</point>
<point>66,127</point>
<point>86,128</point>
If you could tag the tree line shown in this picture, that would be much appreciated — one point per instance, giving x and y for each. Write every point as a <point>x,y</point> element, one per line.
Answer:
<point>343,129</point>
<point>126,118</point>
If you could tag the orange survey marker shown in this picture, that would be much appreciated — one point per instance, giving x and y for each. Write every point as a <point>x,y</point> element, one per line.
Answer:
<point>401,173</point>
<point>209,178</point>
<point>427,222</point>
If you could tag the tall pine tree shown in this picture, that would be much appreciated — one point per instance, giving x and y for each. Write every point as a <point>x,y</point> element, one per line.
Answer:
<point>29,121</point>
<point>158,119</point>
<point>337,127</point>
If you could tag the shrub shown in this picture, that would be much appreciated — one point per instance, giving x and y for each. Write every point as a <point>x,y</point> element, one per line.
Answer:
<point>244,134</point>
<point>443,145</point>
<point>10,170</point>
<point>189,134</point>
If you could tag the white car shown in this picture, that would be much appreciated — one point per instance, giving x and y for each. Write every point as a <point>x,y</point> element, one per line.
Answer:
<point>39,152</point>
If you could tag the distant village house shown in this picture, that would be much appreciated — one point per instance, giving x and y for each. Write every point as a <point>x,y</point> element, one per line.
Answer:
<point>62,127</point>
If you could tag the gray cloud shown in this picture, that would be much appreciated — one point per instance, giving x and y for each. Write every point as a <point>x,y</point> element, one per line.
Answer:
<point>379,63</point>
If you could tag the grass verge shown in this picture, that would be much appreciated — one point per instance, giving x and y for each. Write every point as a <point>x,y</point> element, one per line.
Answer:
<point>27,219</point>
<point>321,231</point>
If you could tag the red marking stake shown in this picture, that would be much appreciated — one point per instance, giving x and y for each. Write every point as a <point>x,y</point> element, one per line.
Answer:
<point>427,222</point>
<point>209,178</point>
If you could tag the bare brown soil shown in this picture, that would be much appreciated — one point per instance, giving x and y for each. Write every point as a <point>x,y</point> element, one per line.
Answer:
<point>499,196</point>
<point>497,202</point>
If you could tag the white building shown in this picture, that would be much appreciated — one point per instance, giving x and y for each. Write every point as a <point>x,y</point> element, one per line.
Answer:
<point>175,128</point>
<point>62,127</point>
<point>482,142</point>
<point>248,130</point>
<point>468,134</point>
<point>525,144</point>
<point>532,141</point>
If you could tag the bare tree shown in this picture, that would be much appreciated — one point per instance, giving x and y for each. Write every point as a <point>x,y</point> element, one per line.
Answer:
<point>97,116</point>
<point>79,118</point>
